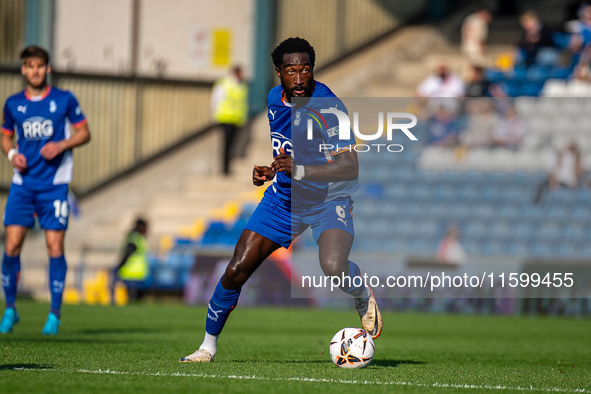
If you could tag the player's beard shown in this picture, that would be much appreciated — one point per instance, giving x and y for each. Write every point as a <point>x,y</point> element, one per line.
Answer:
<point>40,85</point>
<point>290,92</point>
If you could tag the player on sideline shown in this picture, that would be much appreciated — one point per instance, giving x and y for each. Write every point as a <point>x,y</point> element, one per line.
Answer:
<point>40,116</point>
<point>270,226</point>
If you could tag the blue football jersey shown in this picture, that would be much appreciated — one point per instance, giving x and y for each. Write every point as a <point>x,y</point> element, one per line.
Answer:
<point>288,123</point>
<point>36,121</point>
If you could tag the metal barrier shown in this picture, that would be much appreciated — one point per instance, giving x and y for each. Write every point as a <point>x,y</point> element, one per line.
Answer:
<point>131,120</point>
<point>12,30</point>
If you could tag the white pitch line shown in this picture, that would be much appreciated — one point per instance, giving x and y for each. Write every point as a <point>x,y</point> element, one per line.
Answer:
<point>312,380</point>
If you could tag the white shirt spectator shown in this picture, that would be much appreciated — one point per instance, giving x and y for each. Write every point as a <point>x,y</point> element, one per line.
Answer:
<point>566,171</point>
<point>449,86</point>
<point>474,35</point>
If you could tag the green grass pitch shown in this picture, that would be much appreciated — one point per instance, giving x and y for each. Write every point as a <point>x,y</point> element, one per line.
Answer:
<point>136,349</point>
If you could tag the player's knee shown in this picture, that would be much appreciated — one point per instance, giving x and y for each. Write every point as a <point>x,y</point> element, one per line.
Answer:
<point>333,266</point>
<point>55,250</point>
<point>236,274</point>
<point>12,248</point>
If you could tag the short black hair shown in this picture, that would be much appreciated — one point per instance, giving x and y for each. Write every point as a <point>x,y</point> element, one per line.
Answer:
<point>139,223</point>
<point>35,51</point>
<point>293,45</point>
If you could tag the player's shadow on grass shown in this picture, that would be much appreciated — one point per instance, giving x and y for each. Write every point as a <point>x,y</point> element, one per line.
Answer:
<point>21,367</point>
<point>394,363</point>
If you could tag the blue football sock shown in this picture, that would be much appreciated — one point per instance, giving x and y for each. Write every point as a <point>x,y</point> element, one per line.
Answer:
<point>221,304</point>
<point>11,268</point>
<point>353,283</point>
<point>57,277</point>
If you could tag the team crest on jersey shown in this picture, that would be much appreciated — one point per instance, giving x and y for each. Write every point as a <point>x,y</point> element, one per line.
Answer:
<point>22,108</point>
<point>52,106</point>
<point>298,118</point>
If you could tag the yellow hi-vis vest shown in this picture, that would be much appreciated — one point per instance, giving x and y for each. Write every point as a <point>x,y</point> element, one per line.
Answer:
<point>233,106</point>
<point>136,266</point>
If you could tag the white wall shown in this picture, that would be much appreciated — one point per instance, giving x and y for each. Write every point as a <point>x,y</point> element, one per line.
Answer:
<point>92,36</point>
<point>168,29</point>
<point>176,37</point>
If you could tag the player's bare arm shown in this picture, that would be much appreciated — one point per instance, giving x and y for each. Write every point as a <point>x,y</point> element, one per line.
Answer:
<point>344,167</point>
<point>262,174</point>
<point>53,149</point>
<point>18,160</point>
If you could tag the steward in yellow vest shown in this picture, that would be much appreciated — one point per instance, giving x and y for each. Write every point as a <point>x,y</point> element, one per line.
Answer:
<point>134,262</point>
<point>229,106</point>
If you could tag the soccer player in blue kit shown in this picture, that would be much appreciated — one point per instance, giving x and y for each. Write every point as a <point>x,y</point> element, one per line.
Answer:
<point>326,179</point>
<point>41,117</point>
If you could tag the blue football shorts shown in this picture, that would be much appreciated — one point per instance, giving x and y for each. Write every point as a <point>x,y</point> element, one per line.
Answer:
<point>50,205</point>
<point>276,220</point>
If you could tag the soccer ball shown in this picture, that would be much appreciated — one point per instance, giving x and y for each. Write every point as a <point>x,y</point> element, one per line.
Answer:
<point>352,348</point>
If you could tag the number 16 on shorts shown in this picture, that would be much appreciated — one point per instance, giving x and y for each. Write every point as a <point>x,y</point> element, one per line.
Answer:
<point>61,211</point>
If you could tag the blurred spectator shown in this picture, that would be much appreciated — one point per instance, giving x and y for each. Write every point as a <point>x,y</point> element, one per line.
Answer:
<point>568,171</point>
<point>510,130</point>
<point>442,83</point>
<point>444,129</point>
<point>229,105</point>
<point>535,36</point>
<point>581,31</point>
<point>450,250</point>
<point>133,266</point>
<point>479,86</point>
<point>483,119</point>
<point>474,35</point>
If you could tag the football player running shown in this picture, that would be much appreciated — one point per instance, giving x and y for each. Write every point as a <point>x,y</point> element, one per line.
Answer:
<point>311,190</point>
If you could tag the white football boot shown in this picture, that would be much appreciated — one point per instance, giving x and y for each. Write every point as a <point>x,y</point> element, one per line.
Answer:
<point>199,356</point>
<point>371,318</point>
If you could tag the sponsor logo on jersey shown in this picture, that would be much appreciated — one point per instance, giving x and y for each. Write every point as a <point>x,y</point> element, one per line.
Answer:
<point>78,111</point>
<point>52,106</point>
<point>272,113</point>
<point>22,108</point>
<point>279,141</point>
<point>37,128</point>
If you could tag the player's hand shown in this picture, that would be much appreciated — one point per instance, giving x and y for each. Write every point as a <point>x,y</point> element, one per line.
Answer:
<point>283,163</point>
<point>51,150</point>
<point>261,174</point>
<point>19,161</point>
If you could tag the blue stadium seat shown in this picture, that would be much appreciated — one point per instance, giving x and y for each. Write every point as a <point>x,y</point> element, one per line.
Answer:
<point>419,192</point>
<point>523,232</point>
<point>567,250</point>
<point>372,190</point>
<point>395,193</point>
<point>493,248</point>
<point>493,75</point>
<point>500,231</point>
<point>474,231</point>
<point>561,40</point>
<point>542,249</point>
<point>518,74</point>
<point>508,211</point>
<point>560,73</point>
<point>516,248</point>
<point>445,193</point>
<point>485,212</point>
<point>580,213</point>
<point>531,89</point>
<point>537,73</point>
<point>548,232</point>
